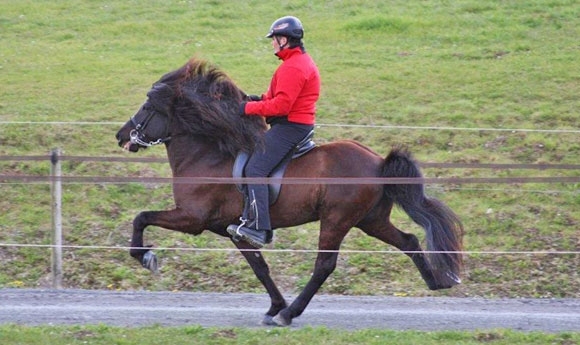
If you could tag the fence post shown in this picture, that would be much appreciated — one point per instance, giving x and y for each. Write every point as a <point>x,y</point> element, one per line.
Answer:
<point>56,191</point>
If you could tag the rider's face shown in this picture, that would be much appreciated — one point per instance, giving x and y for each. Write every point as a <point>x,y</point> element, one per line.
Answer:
<point>278,42</point>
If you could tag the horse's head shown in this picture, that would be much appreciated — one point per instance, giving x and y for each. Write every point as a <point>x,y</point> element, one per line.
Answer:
<point>196,101</point>
<point>149,126</point>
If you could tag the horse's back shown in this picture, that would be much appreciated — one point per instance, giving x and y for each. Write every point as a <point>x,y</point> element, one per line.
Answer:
<point>311,200</point>
<point>344,158</point>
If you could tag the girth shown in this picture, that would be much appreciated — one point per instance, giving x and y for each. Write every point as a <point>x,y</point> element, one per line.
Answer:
<point>242,158</point>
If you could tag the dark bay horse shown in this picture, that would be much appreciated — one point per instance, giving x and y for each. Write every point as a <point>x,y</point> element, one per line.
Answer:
<point>194,112</point>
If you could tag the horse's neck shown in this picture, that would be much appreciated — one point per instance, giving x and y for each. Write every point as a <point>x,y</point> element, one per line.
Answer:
<point>188,157</point>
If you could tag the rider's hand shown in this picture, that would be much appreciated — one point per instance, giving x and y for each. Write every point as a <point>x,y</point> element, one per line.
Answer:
<point>254,97</point>
<point>242,111</point>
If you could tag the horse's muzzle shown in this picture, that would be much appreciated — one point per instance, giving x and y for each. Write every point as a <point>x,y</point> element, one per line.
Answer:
<point>120,140</point>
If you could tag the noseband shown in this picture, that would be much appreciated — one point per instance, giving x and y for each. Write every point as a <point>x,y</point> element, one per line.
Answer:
<point>138,135</point>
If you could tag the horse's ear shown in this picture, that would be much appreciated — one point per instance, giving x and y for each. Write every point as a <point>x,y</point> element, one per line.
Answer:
<point>160,96</point>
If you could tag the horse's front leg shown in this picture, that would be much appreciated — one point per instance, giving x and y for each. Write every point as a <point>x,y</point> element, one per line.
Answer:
<point>137,247</point>
<point>262,272</point>
<point>174,219</point>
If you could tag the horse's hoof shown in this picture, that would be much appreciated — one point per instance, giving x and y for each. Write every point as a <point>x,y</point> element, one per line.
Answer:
<point>281,321</point>
<point>268,321</point>
<point>446,280</point>
<point>453,277</point>
<point>149,261</point>
<point>449,280</point>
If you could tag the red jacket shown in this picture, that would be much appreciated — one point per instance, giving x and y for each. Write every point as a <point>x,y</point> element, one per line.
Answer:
<point>293,91</point>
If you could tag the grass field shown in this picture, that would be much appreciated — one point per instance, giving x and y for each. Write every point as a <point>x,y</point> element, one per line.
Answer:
<point>101,334</point>
<point>456,81</point>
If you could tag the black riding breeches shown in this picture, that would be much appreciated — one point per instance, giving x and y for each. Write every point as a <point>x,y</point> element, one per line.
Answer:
<point>278,142</point>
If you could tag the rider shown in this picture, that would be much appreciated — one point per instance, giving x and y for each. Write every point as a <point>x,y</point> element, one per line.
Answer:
<point>289,106</point>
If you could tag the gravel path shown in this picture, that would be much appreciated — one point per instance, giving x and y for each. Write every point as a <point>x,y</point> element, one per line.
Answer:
<point>78,307</point>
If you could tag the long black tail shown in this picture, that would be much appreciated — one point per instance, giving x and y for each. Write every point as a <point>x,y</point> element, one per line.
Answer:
<point>444,231</point>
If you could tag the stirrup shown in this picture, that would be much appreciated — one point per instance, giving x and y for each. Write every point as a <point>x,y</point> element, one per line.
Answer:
<point>256,238</point>
<point>243,221</point>
<point>237,236</point>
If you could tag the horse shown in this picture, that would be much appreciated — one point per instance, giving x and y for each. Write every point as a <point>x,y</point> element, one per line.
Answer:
<point>194,112</point>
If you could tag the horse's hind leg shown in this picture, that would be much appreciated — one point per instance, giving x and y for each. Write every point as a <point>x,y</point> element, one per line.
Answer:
<point>262,272</point>
<point>407,243</point>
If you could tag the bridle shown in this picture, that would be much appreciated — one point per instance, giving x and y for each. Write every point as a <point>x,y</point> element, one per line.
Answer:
<point>138,135</point>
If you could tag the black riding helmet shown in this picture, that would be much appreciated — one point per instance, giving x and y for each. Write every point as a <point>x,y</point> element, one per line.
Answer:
<point>288,26</point>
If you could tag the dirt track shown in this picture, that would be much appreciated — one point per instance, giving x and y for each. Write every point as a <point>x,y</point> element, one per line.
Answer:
<point>75,307</point>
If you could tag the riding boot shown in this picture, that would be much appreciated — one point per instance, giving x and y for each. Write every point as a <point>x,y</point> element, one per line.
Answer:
<point>255,227</point>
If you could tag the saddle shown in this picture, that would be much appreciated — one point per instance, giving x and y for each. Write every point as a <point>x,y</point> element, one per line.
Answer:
<point>299,150</point>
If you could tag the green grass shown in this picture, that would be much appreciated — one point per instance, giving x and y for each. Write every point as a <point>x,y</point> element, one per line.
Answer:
<point>101,334</point>
<point>465,64</point>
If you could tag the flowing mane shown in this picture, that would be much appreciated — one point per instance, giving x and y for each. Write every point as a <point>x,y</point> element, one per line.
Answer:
<point>207,105</point>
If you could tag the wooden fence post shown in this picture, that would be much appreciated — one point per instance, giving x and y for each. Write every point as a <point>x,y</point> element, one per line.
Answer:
<point>56,191</point>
